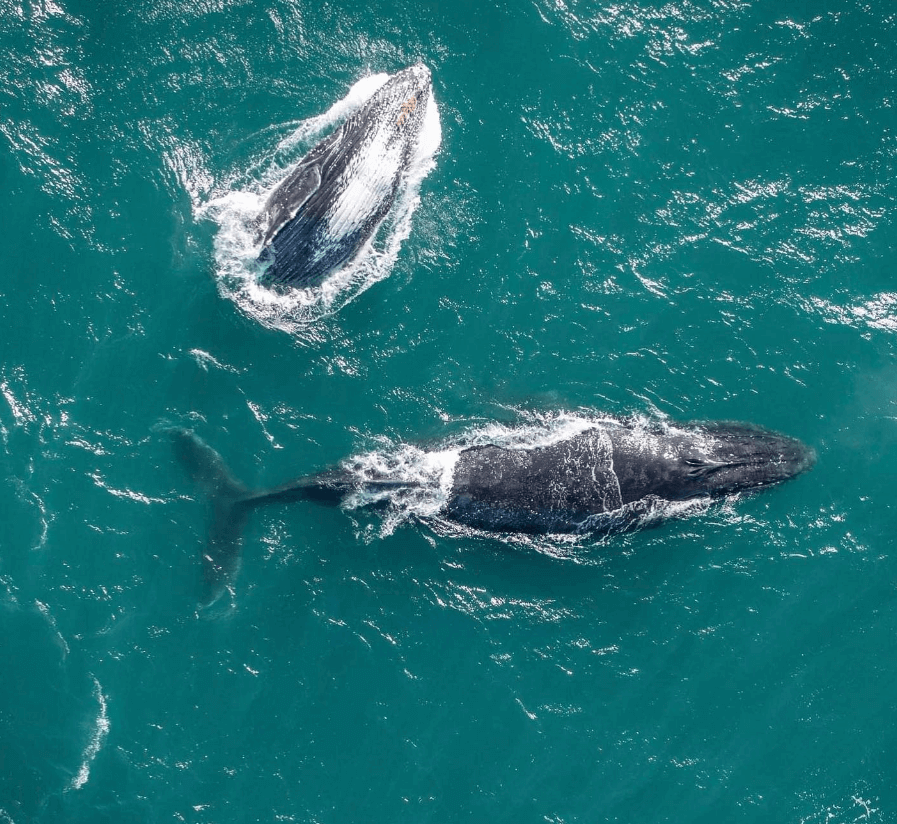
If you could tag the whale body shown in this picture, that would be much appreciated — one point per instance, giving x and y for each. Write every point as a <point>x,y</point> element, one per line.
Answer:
<point>319,217</point>
<point>610,476</point>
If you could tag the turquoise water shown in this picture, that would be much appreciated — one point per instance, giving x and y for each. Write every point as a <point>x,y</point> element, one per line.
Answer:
<point>680,210</point>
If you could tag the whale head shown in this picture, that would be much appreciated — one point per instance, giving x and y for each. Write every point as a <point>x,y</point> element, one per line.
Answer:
<point>727,458</point>
<point>703,460</point>
<point>415,79</point>
<point>402,101</point>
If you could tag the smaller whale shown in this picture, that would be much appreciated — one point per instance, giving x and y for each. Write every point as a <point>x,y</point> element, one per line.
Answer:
<point>332,203</point>
<point>612,475</point>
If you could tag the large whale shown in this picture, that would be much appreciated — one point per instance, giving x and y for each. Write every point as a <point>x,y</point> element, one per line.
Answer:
<point>608,476</point>
<point>326,209</point>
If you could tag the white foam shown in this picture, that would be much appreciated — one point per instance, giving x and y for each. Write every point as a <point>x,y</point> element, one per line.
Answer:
<point>357,96</point>
<point>535,430</point>
<point>101,730</point>
<point>45,611</point>
<point>429,476</point>
<point>236,210</point>
<point>19,409</point>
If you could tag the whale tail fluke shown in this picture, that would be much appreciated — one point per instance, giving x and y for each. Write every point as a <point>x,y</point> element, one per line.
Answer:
<point>205,466</point>
<point>230,503</point>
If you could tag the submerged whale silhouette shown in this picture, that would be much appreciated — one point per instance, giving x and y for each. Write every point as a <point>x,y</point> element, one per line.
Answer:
<point>334,200</point>
<point>612,476</point>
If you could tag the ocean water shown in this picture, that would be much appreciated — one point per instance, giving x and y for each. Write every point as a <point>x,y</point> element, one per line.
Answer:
<point>679,211</point>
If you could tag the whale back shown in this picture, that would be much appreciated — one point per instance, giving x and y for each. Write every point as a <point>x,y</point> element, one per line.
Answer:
<point>545,489</point>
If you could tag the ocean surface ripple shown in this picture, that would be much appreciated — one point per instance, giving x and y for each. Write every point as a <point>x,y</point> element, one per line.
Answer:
<point>681,211</point>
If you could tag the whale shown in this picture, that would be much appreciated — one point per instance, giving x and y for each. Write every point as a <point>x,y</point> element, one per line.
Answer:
<point>332,202</point>
<point>610,475</point>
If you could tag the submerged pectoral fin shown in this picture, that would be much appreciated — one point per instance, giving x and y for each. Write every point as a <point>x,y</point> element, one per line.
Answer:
<point>701,467</point>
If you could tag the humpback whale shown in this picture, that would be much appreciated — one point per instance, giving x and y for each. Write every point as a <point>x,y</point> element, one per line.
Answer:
<point>609,475</point>
<point>325,210</point>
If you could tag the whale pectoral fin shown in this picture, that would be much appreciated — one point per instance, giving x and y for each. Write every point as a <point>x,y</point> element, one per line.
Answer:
<point>290,197</point>
<point>300,184</point>
<point>701,467</point>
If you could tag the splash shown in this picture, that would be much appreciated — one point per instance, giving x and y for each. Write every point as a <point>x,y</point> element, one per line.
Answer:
<point>236,212</point>
<point>428,475</point>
